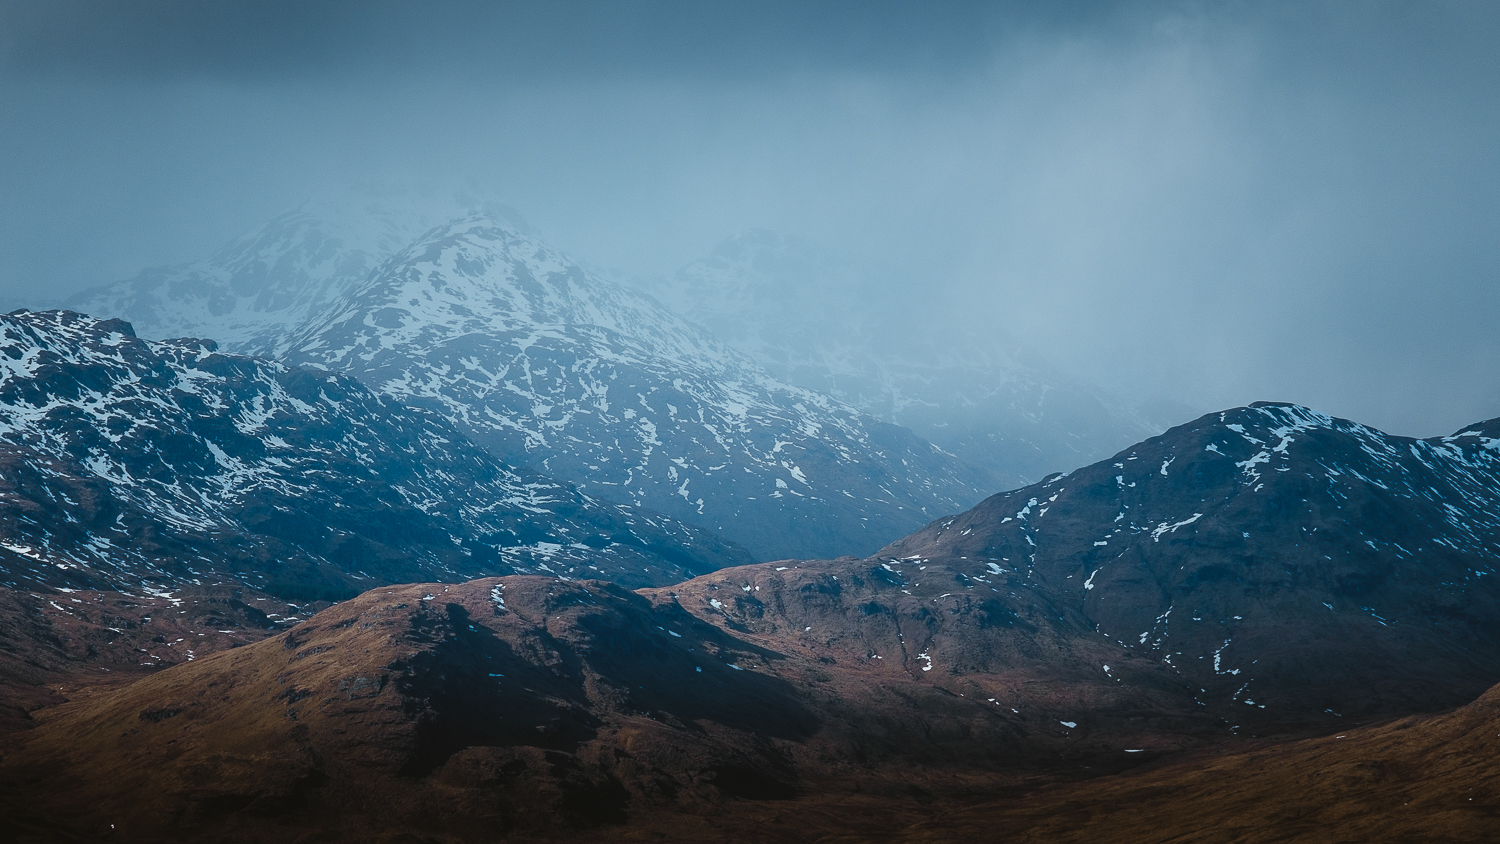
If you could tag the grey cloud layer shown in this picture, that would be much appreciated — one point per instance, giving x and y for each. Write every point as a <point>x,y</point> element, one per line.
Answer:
<point>1216,202</point>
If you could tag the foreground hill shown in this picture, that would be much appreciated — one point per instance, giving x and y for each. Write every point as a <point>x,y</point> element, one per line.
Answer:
<point>527,705</point>
<point>59,644</point>
<point>126,464</point>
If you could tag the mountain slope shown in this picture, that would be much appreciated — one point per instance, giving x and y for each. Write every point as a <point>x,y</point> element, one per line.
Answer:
<point>1279,563</point>
<point>539,360</point>
<point>129,464</point>
<point>1297,567</point>
<point>1422,778</point>
<point>814,320</point>
<point>251,291</point>
<point>526,706</point>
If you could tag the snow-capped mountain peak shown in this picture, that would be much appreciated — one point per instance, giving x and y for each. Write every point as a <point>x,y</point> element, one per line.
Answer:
<point>478,274</point>
<point>1223,543</point>
<point>246,294</point>
<point>549,365</point>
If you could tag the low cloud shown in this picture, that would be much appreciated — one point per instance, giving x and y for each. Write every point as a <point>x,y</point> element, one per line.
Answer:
<point>1212,202</point>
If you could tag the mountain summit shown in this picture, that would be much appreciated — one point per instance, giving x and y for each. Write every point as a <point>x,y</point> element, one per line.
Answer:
<point>557,369</point>
<point>1293,565</point>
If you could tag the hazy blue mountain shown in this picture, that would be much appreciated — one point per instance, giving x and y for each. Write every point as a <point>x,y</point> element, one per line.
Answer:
<point>552,367</point>
<point>815,320</point>
<point>584,379</point>
<point>252,290</point>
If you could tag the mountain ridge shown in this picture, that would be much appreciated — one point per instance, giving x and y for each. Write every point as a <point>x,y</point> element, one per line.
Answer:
<point>991,652</point>
<point>131,462</point>
<point>537,359</point>
<point>1241,536</point>
<point>530,379</point>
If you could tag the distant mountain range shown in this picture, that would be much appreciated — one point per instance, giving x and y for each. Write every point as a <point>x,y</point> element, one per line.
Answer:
<point>591,382</point>
<point>819,321</point>
<point>562,372</point>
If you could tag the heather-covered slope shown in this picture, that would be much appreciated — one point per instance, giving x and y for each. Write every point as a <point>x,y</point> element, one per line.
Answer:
<point>1422,778</point>
<point>136,465</point>
<point>528,706</point>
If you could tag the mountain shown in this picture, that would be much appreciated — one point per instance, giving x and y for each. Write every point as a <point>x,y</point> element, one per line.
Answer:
<point>533,709</point>
<point>557,369</point>
<point>1299,569</point>
<point>250,292</point>
<point>813,319</point>
<point>247,293</point>
<point>1123,652</point>
<point>133,465</point>
<point>553,368</point>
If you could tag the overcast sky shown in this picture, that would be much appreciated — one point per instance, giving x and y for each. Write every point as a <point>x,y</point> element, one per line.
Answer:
<point>1213,202</point>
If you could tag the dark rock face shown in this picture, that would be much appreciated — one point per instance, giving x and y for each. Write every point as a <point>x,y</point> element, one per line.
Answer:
<point>128,463</point>
<point>1292,565</point>
<point>565,372</point>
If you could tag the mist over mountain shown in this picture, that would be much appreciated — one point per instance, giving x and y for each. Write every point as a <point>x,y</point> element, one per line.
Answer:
<point>1180,199</point>
<point>826,455</point>
<point>250,290</point>
<point>810,318</point>
<point>561,371</point>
